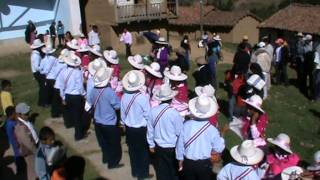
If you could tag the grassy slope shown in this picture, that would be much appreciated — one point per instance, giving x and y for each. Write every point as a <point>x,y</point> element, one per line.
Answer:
<point>289,111</point>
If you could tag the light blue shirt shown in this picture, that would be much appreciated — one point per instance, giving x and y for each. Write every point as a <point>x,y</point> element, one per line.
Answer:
<point>35,61</point>
<point>47,64</point>
<point>56,70</point>
<point>237,171</point>
<point>138,114</point>
<point>72,85</point>
<point>201,148</point>
<point>90,85</point>
<point>168,128</point>
<point>107,104</point>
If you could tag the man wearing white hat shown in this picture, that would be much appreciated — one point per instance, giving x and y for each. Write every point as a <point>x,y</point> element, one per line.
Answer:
<point>36,56</point>
<point>71,92</point>
<point>246,156</point>
<point>46,66</point>
<point>164,128</point>
<point>135,109</point>
<point>105,103</point>
<point>199,140</point>
<point>136,62</point>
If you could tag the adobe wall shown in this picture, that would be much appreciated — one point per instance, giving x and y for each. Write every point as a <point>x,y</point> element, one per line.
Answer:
<point>246,26</point>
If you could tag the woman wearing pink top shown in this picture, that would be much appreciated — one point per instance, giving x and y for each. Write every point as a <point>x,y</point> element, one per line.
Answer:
<point>83,40</point>
<point>281,155</point>
<point>153,81</point>
<point>113,62</point>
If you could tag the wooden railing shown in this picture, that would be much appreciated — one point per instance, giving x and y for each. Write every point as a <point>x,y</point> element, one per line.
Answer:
<point>139,12</point>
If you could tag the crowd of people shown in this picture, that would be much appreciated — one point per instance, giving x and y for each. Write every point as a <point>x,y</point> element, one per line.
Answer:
<point>153,106</point>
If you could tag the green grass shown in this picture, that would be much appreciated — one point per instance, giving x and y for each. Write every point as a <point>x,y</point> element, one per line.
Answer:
<point>289,111</point>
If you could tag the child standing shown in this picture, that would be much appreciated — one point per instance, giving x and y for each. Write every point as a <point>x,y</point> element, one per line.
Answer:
<point>5,95</point>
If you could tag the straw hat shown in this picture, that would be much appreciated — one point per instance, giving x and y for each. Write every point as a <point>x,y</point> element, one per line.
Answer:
<point>111,56</point>
<point>72,59</point>
<point>255,101</point>
<point>154,69</point>
<point>63,54</point>
<point>245,37</point>
<point>96,64</point>
<point>136,61</point>
<point>217,38</point>
<point>48,49</point>
<point>201,60</point>
<point>203,107</point>
<point>161,40</point>
<point>96,50</point>
<point>261,44</point>
<point>175,74</point>
<point>256,81</point>
<point>83,48</point>
<point>36,44</point>
<point>133,80</point>
<point>102,77</point>
<point>282,141</point>
<point>246,153</point>
<point>300,34</point>
<point>291,172</point>
<point>207,90</point>
<point>73,44</point>
<point>165,93</point>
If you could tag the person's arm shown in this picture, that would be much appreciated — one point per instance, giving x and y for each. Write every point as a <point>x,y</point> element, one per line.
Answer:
<point>150,133</point>
<point>145,105</point>
<point>115,100</point>
<point>180,151</point>
<point>217,142</point>
<point>122,112</point>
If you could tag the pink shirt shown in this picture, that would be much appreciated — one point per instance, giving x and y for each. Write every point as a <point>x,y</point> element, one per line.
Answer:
<point>83,41</point>
<point>257,131</point>
<point>278,165</point>
<point>116,70</point>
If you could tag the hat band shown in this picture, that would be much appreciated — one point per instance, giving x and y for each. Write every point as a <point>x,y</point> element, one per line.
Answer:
<point>282,142</point>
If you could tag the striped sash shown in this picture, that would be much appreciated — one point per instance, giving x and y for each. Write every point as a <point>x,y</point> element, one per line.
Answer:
<point>52,64</point>
<point>244,174</point>
<point>97,100</point>
<point>160,115</point>
<point>67,79</point>
<point>196,135</point>
<point>131,102</point>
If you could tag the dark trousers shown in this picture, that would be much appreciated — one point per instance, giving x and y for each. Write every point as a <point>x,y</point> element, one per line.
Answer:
<point>87,119</point>
<point>109,140</point>
<point>56,106</point>
<point>300,75</point>
<point>166,163</point>
<point>316,87</point>
<point>197,170</point>
<point>138,151</point>
<point>53,41</point>
<point>60,39</point>
<point>281,73</point>
<point>50,89</point>
<point>43,98</point>
<point>128,50</point>
<point>74,110</point>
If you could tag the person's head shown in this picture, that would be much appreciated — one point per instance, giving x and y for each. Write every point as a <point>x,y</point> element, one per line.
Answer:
<point>242,46</point>
<point>6,85</point>
<point>95,28</point>
<point>185,37</point>
<point>245,39</point>
<point>47,136</point>
<point>109,48</point>
<point>125,30</point>
<point>68,33</point>
<point>59,23</point>
<point>23,110</point>
<point>11,112</point>
<point>255,68</point>
<point>75,166</point>
<point>53,23</point>
<point>266,39</point>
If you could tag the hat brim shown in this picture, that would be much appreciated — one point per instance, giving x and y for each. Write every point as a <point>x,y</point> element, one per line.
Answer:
<point>274,142</point>
<point>285,174</point>
<point>95,53</point>
<point>72,46</point>
<point>82,50</point>
<point>44,50</point>
<point>134,64</point>
<point>258,156</point>
<point>199,90</point>
<point>217,39</point>
<point>112,61</point>
<point>151,71</point>
<point>162,42</point>
<point>130,88</point>
<point>254,106</point>
<point>92,71</point>
<point>157,97</point>
<point>36,47</point>
<point>73,63</point>
<point>212,110</point>
<point>181,77</point>
<point>105,82</point>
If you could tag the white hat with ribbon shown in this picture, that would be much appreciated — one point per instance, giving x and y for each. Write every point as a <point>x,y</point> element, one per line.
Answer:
<point>136,61</point>
<point>102,77</point>
<point>36,44</point>
<point>161,40</point>
<point>72,59</point>
<point>164,93</point>
<point>175,74</point>
<point>282,141</point>
<point>83,48</point>
<point>246,153</point>
<point>111,56</point>
<point>203,107</point>
<point>154,69</point>
<point>133,80</point>
<point>73,44</point>
<point>96,50</point>
<point>256,102</point>
<point>96,64</point>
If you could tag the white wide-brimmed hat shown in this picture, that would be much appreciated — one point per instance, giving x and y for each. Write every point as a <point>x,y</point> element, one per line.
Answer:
<point>111,56</point>
<point>164,93</point>
<point>63,54</point>
<point>282,141</point>
<point>292,172</point>
<point>203,107</point>
<point>73,44</point>
<point>102,77</point>
<point>246,153</point>
<point>133,80</point>
<point>217,38</point>
<point>256,81</point>
<point>48,49</point>
<point>36,44</point>
<point>261,44</point>
<point>308,37</point>
<point>83,48</point>
<point>96,64</point>
<point>161,40</point>
<point>175,74</point>
<point>207,90</point>
<point>96,50</point>
<point>72,59</point>
<point>255,101</point>
<point>136,61</point>
<point>317,157</point>
<point>154,69</point>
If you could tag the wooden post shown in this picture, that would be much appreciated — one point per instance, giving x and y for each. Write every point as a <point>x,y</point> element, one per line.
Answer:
<point>115,5</point>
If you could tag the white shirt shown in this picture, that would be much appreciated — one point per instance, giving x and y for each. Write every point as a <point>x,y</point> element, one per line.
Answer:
<point>93,38</point>
<point>126,38</point>
<point>236,171</point>
<point>71,82</point>
<point>277,55</point>
<point>35,61</point>
<point>317,60</point>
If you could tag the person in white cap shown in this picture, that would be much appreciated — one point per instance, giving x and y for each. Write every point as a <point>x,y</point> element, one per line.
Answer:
<point>154,80</point>
<point>135,109</point>
<point>281,155</point>
<point>36,56</point>
<point>113,62</point>
<point>105,103</point>
<point>136,62</point>
<point>199,140</point>
<point>178,83</point>
<point>246,159</point>
<point>72,92</point>
<point>164,127</point>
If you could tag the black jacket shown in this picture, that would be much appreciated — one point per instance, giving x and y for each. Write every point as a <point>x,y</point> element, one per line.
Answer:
<point>203,76</point>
